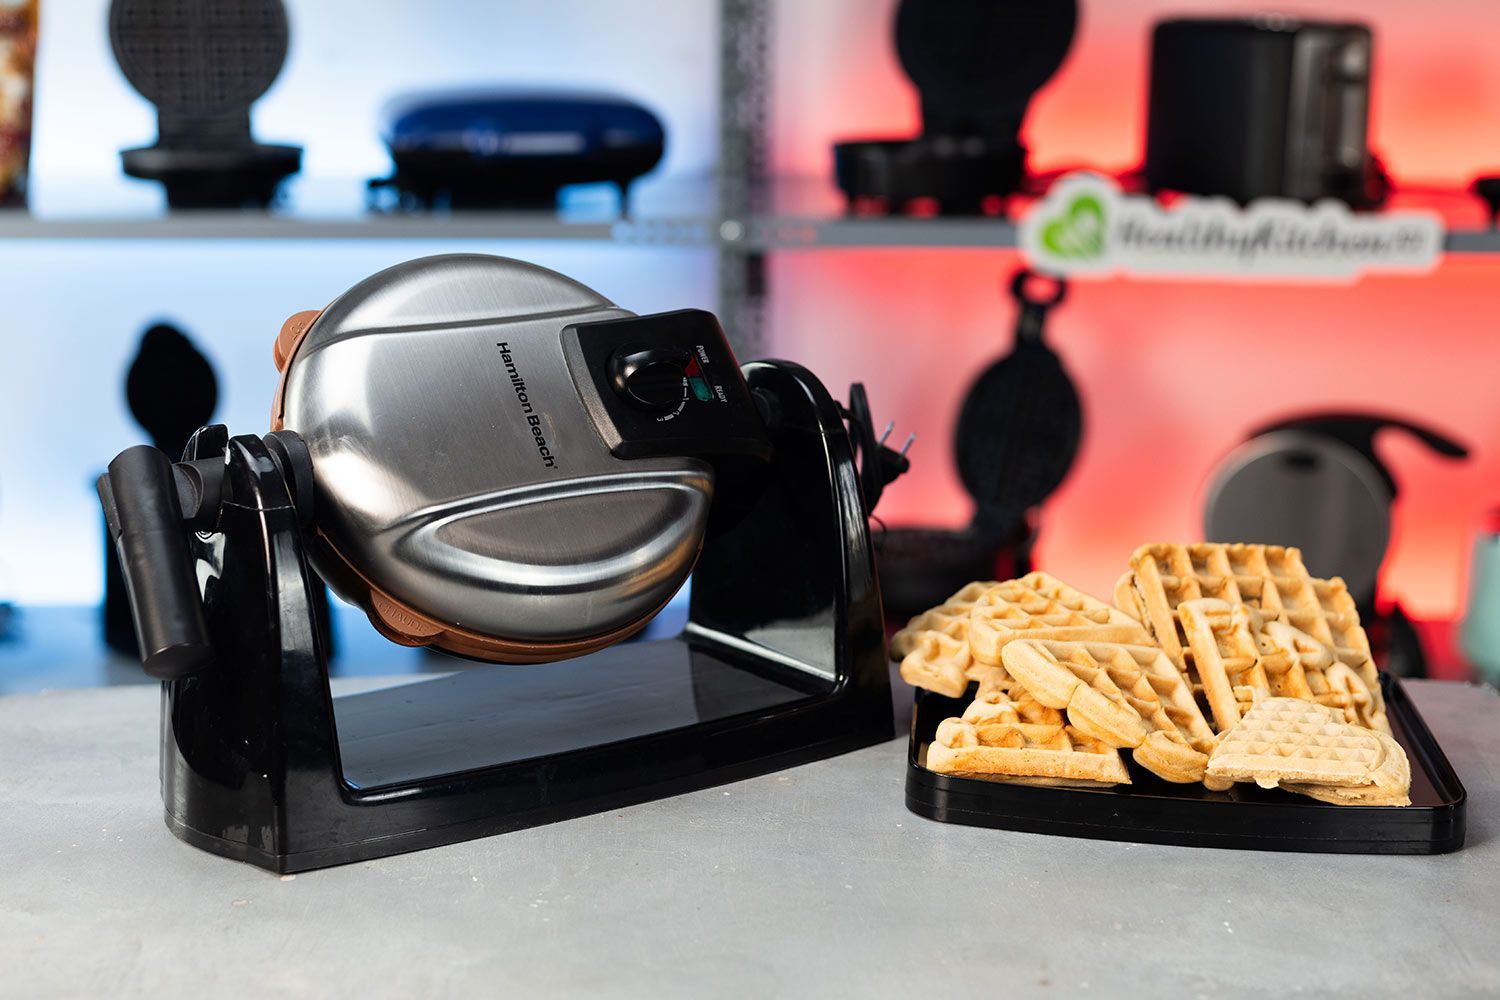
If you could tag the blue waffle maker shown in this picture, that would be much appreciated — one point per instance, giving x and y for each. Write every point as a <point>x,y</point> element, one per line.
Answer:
<point>498,148</point>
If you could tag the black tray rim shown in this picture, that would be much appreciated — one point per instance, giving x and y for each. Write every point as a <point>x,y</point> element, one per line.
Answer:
<point>1149,814</point>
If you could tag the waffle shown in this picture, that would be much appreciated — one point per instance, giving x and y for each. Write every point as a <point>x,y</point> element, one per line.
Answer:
<point>1270,578</point>
<point>1003,747</point>
<point>1073,676</point>
<point>933,648</point>
<point>1303,744</point>
<point>997,706</point>
<point>950,618</point>
<point>938,663</point>
<point>1300,665</point>
<point>1225,658</point>
<point>1390,783</point>
<point>1165,575</point>
<point>1038,606</point>
<point>1122,695</point>
<point>997,685</point>
<point>1236,653</point>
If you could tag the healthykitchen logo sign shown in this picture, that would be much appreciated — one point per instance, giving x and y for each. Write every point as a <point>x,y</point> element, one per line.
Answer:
<point>1087,225</point>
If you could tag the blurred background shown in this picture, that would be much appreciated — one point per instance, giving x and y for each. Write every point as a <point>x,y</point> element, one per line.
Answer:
<point>1172,375</point>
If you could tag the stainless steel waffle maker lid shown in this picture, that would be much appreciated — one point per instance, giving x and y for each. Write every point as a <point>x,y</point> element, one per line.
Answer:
<point>506,464</point>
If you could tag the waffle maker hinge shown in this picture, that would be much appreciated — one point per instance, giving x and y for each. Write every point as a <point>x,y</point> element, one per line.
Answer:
<point>782,661</point>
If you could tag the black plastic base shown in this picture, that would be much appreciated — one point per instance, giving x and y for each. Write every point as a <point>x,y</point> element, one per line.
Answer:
<point>236,177</point>
<point>524,746</point>
<point>921,567</point>
<point>1247,817</point>
<point>782,662</point>
<point>461,181</point>
<point>958,175</point>
<point>489,826</point>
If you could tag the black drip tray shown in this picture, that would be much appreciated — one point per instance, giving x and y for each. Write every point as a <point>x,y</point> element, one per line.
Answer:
<point>1246,817</point>
<point>499,715</point>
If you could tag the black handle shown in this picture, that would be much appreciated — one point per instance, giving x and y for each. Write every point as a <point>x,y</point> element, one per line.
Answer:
<point>1034,308</point>
<point>140,498</point>
<point>1358,431</point>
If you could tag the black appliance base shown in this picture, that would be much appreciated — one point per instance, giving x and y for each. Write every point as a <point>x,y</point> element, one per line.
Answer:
<point>921,567</point>
<point>463,182</point>
<point>236,177</point>
<point>1247,817</point>
<point>959,175</point>
<point>662,718</point>
<point>261,764</point>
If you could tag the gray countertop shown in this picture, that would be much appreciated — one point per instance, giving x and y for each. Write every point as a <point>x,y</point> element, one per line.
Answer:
<point>812,882</point>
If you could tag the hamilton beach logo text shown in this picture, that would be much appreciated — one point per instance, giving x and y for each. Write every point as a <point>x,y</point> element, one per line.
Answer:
<point>1087,225</point>
<point>533,419</point>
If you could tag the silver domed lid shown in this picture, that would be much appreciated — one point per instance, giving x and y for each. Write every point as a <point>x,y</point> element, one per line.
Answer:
<point>460,481</point>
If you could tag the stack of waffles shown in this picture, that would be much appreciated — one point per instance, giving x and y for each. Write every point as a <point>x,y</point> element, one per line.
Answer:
<point>1218,664</point>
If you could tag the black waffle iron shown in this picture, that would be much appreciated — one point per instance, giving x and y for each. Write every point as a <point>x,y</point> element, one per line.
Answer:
<point>203,63</point>
<point>1018,433</point>
<point>976,64</point>
<point>495,461</point>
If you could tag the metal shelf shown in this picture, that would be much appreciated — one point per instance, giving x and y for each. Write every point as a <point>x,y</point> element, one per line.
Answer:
<point>1461,241</point>
<point>493,226</point>
<point>806,232</point>
<point>760,234</point>
<point>767,233</point>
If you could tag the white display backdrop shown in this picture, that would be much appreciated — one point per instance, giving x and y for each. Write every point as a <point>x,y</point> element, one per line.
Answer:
<point>348,57</point>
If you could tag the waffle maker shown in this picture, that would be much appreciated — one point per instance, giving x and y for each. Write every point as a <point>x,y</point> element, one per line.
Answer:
<point>1316,481</point>
<point>976,65</point>
<point>203,63</point>
<point>497,462</point>
<point>1018,433</point>
<point>500,148</point>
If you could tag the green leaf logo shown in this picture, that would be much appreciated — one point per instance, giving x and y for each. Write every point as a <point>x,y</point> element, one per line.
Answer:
<point>1078,231</point>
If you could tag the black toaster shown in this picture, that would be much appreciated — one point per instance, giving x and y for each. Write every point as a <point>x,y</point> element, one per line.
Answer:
<point>1267,106</point>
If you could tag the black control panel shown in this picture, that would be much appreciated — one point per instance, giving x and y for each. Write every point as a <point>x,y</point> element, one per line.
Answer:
<point>665,384</point>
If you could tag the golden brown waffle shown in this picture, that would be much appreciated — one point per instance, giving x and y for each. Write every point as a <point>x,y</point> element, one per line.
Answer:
<point>1390,783</point>
<point>950,618</point>
<point>997,685</point>
<point>1300,665</point>
<point>1165,575</point>
<point>998,707</point>
<point>1235,653</point>
<point>1122,695</point>
<point>938,663</point>
<point>934,648</point>
<point>1074,677</point>
<point>1269,578</point>
<point>1038,606</point>
<point>1006,748</point>
<point>1166,755</point>
<point>1299,742</point>
<point>1225,659</point>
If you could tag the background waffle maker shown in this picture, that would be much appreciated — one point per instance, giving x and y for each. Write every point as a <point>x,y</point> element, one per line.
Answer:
<point>498,148</point>
<point>203,63</point>
<point>976,65</point>
<point>1316,481</point>
<point>495,461</point>
<point>1017,436</point>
